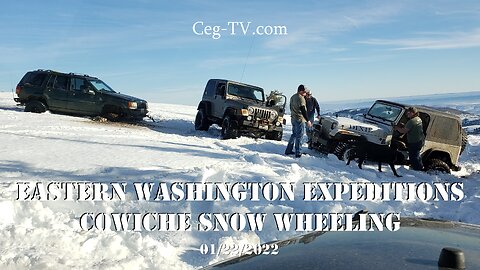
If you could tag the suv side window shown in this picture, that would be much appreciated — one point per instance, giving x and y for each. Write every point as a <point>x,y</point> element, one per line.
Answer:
<point>61,83</point>
<point>35,79</point>
<point>78,84</point>
<point>58,82</point>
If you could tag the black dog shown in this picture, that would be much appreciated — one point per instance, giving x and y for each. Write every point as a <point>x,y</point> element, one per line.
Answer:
<point>377,153</point>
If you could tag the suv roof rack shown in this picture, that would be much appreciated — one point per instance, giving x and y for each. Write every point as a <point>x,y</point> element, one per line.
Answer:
<point>70,73</point>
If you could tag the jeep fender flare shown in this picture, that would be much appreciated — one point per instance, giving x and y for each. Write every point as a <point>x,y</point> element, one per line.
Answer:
<point>206,106</point>
<point>437,154</point>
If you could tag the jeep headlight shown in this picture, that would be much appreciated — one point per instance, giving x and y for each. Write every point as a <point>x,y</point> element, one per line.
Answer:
<point>251,111</point>
<point>388,139</point>
<point>280,119</point>
<point>132,105</point>
<point>244,112</point>
<point>273,115</point>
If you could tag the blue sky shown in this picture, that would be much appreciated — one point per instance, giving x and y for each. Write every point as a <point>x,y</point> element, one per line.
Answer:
<point>339,49</point>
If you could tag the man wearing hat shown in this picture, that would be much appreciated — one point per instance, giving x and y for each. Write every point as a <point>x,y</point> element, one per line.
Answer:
<point>312,106</point>
<point>299,116</point>
<point>415,137</point>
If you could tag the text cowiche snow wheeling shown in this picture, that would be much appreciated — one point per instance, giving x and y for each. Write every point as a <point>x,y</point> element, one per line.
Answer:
<point>445,139</point>
<point>241,109</point>
<point>72,93</point>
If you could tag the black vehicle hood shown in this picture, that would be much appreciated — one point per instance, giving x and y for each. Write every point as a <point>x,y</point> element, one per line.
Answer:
<point>246,102</point>
<point>417,245</point>
<point>123,96</point>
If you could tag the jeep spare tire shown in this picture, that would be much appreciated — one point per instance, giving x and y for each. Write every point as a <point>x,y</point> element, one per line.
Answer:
<point>464,141</point>
<point>35,106</point>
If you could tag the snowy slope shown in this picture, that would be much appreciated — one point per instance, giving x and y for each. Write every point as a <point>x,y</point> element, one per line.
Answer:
<point>50,147</point>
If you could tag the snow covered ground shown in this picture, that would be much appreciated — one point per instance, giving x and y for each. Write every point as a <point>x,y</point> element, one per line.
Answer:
<point>51,147</point>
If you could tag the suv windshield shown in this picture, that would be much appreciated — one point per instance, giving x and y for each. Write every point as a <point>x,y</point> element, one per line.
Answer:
<point>101,86</point>
<point>244,91</point>
<point>387,112</point>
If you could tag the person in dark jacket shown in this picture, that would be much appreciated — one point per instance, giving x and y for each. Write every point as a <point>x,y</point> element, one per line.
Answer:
<point>415,137</point>
<point>298,111</point>
<point>312,106</point>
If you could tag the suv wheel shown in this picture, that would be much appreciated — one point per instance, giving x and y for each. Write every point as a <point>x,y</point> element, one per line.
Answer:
<point>228,130</point>
<point>112,117</point>
<point>201,121</point>
<point>274,135</point>
<point>35,106</point>
<point>438,165</point>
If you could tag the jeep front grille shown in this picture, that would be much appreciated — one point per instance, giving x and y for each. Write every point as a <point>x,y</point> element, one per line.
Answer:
<point>141,105</point>
<point>262,113</point>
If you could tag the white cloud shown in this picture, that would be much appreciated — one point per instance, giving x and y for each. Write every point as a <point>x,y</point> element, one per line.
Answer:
<point>318,25</point>
<point>434,41</point>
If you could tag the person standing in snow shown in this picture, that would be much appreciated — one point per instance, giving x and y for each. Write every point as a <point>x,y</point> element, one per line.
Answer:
<point>312,106</point>
<point>298,111</point>
<point>415,137</point>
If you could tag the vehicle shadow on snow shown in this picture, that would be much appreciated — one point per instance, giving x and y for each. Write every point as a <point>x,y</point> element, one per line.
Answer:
<point>177,127</point>
<point>11,108</point>
<point>198,151</point>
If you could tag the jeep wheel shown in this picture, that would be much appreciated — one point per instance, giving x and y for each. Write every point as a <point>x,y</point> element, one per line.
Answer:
<point>228,129</point>
<point>437,165</point>
<point>35,106</point>
<point>340,149</point>
<point>274,135</point>
<point>349,153</point>
<point>201,121</point>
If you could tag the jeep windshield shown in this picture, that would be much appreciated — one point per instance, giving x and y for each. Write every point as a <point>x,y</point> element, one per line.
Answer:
<point>244,91</point>
<point>101,86</point>
<point>386,112</point>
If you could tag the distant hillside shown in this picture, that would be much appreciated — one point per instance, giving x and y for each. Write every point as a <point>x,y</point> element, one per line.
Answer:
<point>451,100</point>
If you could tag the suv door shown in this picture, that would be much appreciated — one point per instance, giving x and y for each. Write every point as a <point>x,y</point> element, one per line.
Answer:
<point>56,92</point>
<point>82,98</point>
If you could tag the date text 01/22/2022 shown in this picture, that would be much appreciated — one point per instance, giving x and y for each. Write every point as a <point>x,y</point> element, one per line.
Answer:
<point>199,28</point>
<point>239,249</point>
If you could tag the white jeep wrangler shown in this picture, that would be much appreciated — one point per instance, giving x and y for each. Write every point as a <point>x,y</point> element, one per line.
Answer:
<point>445,139</point>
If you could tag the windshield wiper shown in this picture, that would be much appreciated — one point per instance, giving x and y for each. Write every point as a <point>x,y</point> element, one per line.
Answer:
<point>374,116</point>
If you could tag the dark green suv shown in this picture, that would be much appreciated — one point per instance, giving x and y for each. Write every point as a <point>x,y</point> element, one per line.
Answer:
<point>42,90</point>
